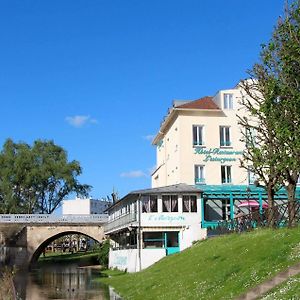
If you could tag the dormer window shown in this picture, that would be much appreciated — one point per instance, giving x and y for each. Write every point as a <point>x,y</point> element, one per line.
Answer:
<point>228,101</point>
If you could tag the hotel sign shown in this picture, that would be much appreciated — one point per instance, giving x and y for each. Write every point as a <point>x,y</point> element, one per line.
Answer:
<point>165,218</point>
<point>218,154</point>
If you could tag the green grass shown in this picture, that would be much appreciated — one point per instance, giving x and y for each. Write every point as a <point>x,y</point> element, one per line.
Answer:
<point>217,268</point>
<point>66,257</point>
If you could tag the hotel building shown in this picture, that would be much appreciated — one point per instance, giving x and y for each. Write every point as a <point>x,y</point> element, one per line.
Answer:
<point>199,143</point>
<point>198,182</point>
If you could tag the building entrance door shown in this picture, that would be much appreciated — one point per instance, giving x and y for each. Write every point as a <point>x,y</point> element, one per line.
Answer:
<point>172,242</point>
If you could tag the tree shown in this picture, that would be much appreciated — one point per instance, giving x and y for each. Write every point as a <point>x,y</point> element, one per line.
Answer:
<point>261,154</point>
<point>277,80</point>
<point>283,54</point>
<point>104,253</point>
<point>14,173</point>
<point>36,179</point>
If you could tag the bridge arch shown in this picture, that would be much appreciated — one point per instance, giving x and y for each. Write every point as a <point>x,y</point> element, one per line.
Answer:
<point>38,237</point>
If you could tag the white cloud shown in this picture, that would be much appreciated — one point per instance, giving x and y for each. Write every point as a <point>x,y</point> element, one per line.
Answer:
<point>133,174</point>
<point>149,137</point>
<point>79,120</point>
<point>93,121</point>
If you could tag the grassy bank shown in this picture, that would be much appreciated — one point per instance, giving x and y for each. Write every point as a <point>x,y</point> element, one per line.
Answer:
<point>82,258</point>
<point>218,268</point>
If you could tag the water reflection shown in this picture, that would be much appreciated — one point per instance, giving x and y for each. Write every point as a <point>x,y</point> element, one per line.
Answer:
<point>62,282</point>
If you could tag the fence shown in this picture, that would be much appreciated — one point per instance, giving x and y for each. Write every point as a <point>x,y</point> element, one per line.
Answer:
<point>51,219</point>
<point>283,215</point>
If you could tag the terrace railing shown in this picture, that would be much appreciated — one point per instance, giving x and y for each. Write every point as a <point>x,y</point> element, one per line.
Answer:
<point>120,222</point>
<point>53,219</point>
<point>287,214</point>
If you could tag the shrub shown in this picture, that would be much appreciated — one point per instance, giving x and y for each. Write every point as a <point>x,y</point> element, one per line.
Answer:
<point>103,253</point>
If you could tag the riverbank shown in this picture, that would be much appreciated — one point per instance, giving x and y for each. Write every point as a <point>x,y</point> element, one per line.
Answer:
<point>7,289</point>
<point>219,268</point>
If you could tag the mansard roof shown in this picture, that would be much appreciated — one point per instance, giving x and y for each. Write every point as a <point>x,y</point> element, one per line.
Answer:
<point>202,103</point>
<point>205,103</point>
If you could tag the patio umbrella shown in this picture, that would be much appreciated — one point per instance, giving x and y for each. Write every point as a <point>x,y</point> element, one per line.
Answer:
<point>251,203</point>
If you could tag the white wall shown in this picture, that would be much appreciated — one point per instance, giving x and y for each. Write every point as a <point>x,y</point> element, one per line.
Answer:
<point>191,234</point>
<point>76,207</point>
<point>83,206</point>
<point>128,259</point>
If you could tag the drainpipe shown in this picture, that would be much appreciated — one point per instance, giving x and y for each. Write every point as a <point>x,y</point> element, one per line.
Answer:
<point>139,234</point>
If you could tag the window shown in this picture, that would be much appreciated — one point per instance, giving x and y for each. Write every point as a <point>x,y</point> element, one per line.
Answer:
<point>170,203</point>
<point>153,239</point>
<point>149,204</point>
<point>198,135</point>
<point>251,176</point>
<point>189,203</point>
<point>226,174</point>
<point>226,210</point>
<point>199,174</point>
<point>225,136</point>
<point>228,101</point>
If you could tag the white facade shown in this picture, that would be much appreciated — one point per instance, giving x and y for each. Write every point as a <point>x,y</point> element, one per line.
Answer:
<point>128,259</point>
<point>84,206</point>
<point>146,226</point>
<point>199,142</point>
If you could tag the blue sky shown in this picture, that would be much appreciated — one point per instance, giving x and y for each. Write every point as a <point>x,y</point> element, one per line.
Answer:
<point>98,76</point>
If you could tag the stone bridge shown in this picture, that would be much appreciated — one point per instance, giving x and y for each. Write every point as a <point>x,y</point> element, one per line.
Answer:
<point>23,237</point>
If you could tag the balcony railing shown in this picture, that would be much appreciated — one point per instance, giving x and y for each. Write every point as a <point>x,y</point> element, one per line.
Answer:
<point>52,219</point>
<point>225,143</point>
<point>199,180</point>
<point>120,222</point>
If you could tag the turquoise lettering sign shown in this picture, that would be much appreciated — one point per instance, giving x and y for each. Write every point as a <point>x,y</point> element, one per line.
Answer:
<point>217,154</point>
<point>164,218</point>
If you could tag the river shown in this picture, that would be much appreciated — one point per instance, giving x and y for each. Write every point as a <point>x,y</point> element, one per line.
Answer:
<point>57,281</point>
